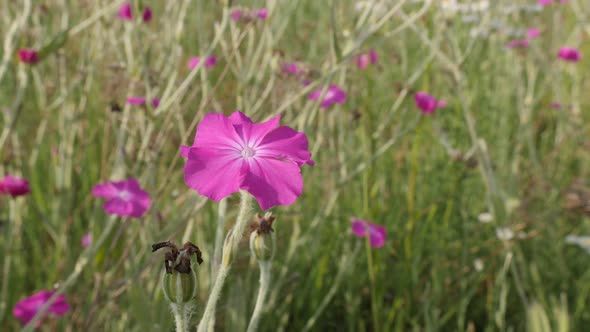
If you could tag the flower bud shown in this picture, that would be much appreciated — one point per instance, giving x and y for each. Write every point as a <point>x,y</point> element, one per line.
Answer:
<point>179,281</point>
<point>262,238</point>
<point>179,287</point>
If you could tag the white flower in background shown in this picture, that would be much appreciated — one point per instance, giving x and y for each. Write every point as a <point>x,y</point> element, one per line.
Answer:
<point>504,234</point>
<point>581,241</point>
<point>478,264</point>
<point>485,218</point>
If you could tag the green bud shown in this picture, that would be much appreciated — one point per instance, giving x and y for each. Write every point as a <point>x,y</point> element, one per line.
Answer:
<point>179,281</point>
<point>262,245</point>
<point>179,287</point>
<point>262,238</point>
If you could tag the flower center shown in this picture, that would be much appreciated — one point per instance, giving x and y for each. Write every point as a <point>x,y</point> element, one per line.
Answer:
<point>248,152</point>
<point>124,195</point>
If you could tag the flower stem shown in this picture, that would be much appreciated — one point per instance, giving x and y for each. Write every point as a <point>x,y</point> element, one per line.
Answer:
<point>262,291</point>
<point>221,215</point>
<point>182,315</point>
<point>229,248</point>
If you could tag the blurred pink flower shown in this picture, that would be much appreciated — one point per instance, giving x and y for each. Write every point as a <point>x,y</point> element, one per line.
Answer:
<point>556,105</point>
<point>291,68</point>
<point>140,101</point>
<point>248,15</point>
<point>125,198</point>
<point>236,14</point>
<point>27,55</point>
<point>569,54</point>
<point>523,43</point>
<point>533,33</point>
<point>376,233</point>
<point>233,153</point>
<point>262,13</point>
<point>334,95</point>
<point>209,62</point>
<point>362,61</point>
<point>125,12</point>
<point>147,14</point>
<point>427,103</point>
<point>14,186</point>
<point>27,308</point>
<point>86,240</point>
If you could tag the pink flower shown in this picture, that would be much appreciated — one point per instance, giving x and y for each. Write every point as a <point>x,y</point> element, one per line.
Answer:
<point>427,103</point>
<point>262,13</point>
<point>14,186</point>
<point>86,240</point>
<point>569,54</point>
<point>27,55</point>
<point>291,68</point>
<point>147,14</point>
<point>125,198</point>
<point>362,61</point>
<point>555,105</point>
<point>140,101</point>
<point>376,233</point>
<point>236,14</point>
<point>518,43</point>
<point>533,33</point>
<point>25,309</point>
<point>209,62</point>
<point>334,95</point>
<point>233,153</point>
<point>125,12</point>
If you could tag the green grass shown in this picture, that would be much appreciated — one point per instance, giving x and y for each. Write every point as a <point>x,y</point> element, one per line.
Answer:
<point>499,147</point>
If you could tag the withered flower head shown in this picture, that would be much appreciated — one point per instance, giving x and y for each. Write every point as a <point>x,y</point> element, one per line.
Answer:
<point>179,259</point>
<point>262,224</point>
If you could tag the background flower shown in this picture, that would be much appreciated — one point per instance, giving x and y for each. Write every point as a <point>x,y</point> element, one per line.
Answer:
<point>27,55</point>
<point>125,198</point>
<point>334,95</point>
<point>376,233</point>
<point>569,54</point>
<point>427,103</point>
<point>209,62</point>
<point>25,309</point>
<point>14,186</point>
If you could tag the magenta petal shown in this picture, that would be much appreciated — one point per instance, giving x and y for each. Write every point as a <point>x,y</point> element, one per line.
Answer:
<point>217,131</point>
<point>273,182</point>
<point>147,14</point>
<point>373,57</point>
<point>59,306</point>
<point>184,150</point>
<point>253,133</point>
<point>118,207</point>
<point>138,101</point>
<point>193,62</point>
<point>104,190</point>
<point>213,173</point>
<point>425,102</point>
<point>359,227</point>
<point>125,12</point>
<point>377,236</point>
<point>286,143</point>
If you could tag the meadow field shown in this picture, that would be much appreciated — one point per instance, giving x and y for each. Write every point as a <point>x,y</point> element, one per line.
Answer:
<point>426,164</point>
